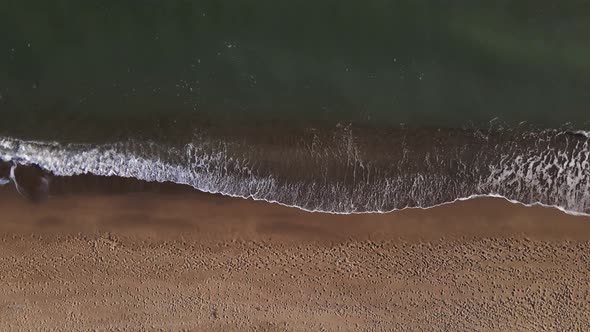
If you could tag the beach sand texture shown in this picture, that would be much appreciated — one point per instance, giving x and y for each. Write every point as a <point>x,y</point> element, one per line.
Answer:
<point>199,262</point>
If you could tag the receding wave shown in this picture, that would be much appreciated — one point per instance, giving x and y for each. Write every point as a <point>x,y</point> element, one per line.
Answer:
<point>344,170</point>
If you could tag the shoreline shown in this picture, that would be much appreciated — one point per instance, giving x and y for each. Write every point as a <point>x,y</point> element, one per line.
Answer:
<point>491,214</point>
<point>345,172</point>
<point>97,184</point>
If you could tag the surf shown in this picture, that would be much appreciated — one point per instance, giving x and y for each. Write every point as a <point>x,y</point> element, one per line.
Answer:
<point>344,170</point>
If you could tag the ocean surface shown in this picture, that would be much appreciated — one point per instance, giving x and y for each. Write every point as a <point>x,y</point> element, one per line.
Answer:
<point>333,106</point>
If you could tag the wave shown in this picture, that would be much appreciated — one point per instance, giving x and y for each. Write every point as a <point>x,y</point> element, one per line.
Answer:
<point>344,170</point>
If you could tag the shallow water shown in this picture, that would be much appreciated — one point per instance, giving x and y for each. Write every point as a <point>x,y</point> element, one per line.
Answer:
<point>348,170</point>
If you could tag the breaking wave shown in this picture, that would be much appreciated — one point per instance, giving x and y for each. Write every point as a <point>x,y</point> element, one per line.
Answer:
<point>344,170</point>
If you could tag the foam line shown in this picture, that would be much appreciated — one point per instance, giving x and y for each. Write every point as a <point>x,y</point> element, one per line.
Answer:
<point>550,171</point>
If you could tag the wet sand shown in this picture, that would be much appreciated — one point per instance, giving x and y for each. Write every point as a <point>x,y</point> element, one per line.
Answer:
<point>196,262</point>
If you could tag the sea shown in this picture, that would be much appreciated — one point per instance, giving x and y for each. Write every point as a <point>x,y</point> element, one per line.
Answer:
<point>328,106</point>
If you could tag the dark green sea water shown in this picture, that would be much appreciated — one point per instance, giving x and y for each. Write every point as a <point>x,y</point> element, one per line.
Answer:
<point>109,66</point>
<point>338,106</point>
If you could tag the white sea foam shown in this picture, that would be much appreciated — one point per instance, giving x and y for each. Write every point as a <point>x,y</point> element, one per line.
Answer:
<point>552,177</point>
<point>583,132</point>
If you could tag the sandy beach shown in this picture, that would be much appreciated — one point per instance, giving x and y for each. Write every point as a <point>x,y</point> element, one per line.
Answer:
<point>199,262</point>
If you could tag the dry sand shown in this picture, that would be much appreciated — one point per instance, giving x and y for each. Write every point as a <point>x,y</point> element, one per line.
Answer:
<point>196,262</point>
